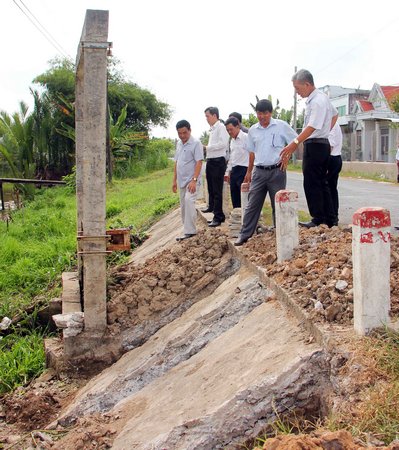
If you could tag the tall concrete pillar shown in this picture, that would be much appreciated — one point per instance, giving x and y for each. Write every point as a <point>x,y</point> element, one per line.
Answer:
<point>287,233</point>
<point>371,236</point>
<point>91,110</point>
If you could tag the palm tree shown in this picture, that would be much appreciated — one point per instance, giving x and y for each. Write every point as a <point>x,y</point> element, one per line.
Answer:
<point>16,142</point>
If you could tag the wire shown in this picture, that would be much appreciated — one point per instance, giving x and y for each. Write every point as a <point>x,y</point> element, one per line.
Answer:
<point>36,23</point>
<point>357,45</point>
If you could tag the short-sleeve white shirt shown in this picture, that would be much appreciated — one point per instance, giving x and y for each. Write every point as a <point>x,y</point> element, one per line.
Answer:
<point>319,113</point>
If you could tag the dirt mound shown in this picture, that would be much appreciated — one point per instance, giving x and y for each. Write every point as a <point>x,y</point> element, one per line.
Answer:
<point>143,293</point>
<point>338,440</point>
<point>32,409</point>
<point>319,275</point>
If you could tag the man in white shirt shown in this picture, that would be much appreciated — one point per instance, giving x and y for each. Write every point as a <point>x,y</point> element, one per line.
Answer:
<point>238,161</point>
<point>216,152</point>
<point>334,166</point>
<point>188,163</point>
<point>320,117</point>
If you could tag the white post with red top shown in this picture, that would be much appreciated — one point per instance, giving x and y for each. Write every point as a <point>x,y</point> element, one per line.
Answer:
<point>371,253</point>
<point>244,199</point>
<point>287,234</point>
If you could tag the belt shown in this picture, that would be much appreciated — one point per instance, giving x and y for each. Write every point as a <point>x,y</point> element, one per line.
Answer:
<point>317,141</point>
<point>274,166</point>
<point>216,159</point>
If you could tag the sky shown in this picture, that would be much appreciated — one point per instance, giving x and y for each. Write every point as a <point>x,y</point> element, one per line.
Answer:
<point>195,54</point>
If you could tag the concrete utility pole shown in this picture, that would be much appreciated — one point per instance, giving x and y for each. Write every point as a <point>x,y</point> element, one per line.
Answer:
<point>294,116</point>
<point>91,118</point>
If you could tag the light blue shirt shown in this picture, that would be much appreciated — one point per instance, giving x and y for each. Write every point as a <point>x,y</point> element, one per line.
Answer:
<point>268,142</point>
<point>187,155</point>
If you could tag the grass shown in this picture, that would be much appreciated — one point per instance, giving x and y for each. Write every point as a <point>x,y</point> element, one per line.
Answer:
<point>378,411</point>
<point>21,359</point>
<point>39,243</point>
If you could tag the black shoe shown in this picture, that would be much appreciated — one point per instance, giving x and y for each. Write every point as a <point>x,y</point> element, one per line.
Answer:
<point>186,236</point>
<point>206,210</point>
<point>310,224</point>
<point>396,227</point>
<point>240,241</point>
<point>214,223</point>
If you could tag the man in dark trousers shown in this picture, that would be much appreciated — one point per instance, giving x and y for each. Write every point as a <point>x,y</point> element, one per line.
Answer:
<point>216,152</point>
<point>238,161</point>
<point>320,117</point>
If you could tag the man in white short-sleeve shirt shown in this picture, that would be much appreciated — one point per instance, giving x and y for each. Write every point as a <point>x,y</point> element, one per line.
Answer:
<point>188,163</point>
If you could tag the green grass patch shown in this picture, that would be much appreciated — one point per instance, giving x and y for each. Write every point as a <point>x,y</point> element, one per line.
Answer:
<point>21,359</point>
<point>39,243</point>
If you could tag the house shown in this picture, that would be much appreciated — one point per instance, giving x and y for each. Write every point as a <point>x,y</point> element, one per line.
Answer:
<point>368,122</point>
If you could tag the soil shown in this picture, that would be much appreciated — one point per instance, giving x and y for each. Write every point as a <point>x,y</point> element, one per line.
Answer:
<point>318,277</point>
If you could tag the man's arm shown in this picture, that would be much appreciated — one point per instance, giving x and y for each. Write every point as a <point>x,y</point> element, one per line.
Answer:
<point>248,175</point>
<point>333,121</point>
<point>192,186</point>
<point>174,184</point>
<point>289,149</point>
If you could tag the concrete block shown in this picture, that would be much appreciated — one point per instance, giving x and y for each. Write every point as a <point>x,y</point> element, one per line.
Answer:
<point>244,199</point>
<point>287,234</point>
<point>371,236</point>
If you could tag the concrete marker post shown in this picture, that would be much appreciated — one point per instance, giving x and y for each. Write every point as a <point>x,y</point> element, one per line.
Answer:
<point>244,199</point>
<point>371,254</point>
<point>287,233</point>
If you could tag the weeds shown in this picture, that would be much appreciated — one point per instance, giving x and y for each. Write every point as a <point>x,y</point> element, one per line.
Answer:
<point>21,359</point>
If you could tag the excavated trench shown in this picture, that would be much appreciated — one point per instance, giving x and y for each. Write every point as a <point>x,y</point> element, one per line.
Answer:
<point>210,356</point>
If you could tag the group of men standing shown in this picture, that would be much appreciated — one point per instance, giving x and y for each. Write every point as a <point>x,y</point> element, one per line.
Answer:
<point>260,156</point>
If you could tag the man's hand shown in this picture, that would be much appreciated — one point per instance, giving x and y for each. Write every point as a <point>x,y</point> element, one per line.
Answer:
<point>248,177</point>
<point>285,155</point>
<point>227,178</point>
<point>174,187</point>
<point>192,186</point>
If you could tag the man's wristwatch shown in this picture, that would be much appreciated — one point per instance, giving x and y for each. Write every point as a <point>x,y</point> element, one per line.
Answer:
<point>194,179</point>
<point>296,142</point>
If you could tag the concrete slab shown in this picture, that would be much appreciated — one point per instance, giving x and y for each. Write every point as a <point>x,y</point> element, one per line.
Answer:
<point>223,391</point>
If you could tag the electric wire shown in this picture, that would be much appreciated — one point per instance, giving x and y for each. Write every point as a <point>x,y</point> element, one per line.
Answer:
<point>36,23</point>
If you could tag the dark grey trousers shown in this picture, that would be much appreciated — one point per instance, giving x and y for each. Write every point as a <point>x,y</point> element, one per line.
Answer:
<point>263,182</point>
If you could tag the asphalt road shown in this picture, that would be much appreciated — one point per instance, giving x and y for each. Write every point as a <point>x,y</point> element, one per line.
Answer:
<point>354,194</point>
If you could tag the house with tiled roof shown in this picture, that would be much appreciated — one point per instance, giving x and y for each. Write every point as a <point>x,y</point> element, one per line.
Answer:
<point>368,121</point>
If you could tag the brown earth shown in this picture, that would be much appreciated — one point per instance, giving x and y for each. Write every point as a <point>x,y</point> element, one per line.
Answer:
<point>319,275</point>
<point>143,292</point>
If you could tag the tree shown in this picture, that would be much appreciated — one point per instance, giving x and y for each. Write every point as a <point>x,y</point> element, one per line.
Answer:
<point>16,142</point>
<point>144,110</point>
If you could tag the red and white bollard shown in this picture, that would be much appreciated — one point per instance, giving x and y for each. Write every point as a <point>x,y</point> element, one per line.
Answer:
<point>371,255</point>
<point>244,199</point>
<point>287,234</point>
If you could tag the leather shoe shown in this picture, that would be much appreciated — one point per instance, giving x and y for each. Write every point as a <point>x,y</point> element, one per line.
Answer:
<point>240,241</point>
<point>214,223</point>
<point>206,210</point>
<point>310,224</point>
<point>186,236</point>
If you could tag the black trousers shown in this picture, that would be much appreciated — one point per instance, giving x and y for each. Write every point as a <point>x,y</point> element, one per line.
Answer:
<point>334,168</point>
<point>317,191</point>
<point>237,176</point>
<point>215,170</point>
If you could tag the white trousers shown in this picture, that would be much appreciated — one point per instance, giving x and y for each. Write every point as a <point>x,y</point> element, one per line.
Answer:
<point>188,210</point>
